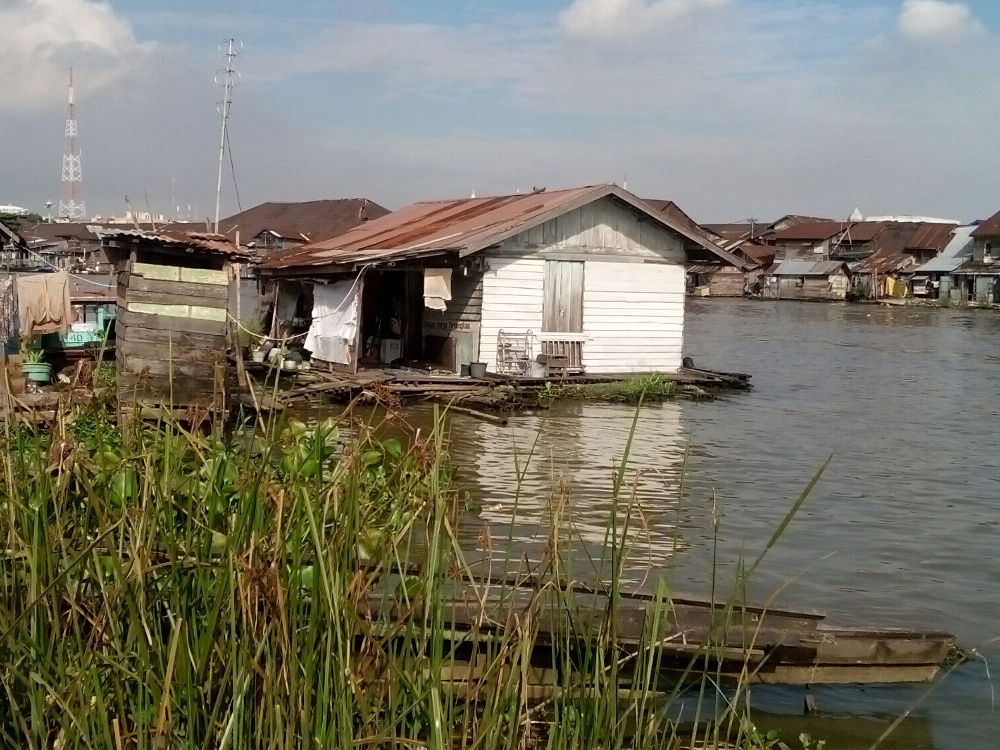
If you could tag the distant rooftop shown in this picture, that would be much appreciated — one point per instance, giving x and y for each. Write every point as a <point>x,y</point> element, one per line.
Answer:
<point>913,219</point>
<point>305,221</point>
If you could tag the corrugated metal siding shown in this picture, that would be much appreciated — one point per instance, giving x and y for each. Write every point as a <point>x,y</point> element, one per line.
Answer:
<point>634,317</point>
<point>512,300</point>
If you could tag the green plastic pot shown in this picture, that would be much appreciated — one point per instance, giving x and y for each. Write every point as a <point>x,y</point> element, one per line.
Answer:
<point>37,372</point>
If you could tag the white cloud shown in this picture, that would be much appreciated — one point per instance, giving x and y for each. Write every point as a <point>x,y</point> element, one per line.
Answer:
<point>49,36</point>
<point>935,20</point>
<point>612,19</point>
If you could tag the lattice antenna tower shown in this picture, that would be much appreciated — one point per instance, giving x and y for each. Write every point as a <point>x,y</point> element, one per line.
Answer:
<point>71,206</point>
<point>229,49</point>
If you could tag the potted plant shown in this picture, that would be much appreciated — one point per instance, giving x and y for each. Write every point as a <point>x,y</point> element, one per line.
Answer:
<point>32,366</point>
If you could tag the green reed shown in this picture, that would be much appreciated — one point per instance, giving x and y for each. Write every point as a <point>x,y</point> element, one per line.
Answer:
<point>299,587</point>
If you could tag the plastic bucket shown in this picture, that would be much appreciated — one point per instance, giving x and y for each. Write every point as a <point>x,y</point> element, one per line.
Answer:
<point>37,372</point>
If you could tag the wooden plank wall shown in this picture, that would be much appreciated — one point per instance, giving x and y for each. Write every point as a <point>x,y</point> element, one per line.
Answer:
<point>512,301</point>
<point>728,281</point>
<point>813,287</point>
<point>599,228</point>
<point>171,335</point>
<point>633,315</point>
<point>460,321</point>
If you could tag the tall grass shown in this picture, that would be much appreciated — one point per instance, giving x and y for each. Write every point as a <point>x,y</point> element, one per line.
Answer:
<point>165,588</point>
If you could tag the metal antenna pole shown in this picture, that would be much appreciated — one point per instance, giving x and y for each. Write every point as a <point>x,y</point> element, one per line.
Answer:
<point>226,102</point>
<point>71,205</point>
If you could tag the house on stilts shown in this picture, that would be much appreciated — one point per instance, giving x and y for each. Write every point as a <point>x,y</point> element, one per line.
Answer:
<point>589,280</point>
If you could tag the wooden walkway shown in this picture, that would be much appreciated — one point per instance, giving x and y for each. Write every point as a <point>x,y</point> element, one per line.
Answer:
<point>493,397</point>
<point>692,635</point>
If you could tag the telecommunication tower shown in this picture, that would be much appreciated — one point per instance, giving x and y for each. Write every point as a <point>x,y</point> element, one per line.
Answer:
<point>228,77</point>
<point>71,206</point>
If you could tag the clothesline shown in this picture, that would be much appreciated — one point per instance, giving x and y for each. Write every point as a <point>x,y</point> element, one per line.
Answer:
<point>49,263</point>
<point>337,311</point>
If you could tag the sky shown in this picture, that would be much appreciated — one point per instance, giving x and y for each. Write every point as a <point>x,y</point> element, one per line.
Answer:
<point>731,108</point>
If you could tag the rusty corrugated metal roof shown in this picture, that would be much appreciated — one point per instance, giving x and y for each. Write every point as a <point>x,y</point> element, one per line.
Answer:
<point>810,231</point>
<point>988,228</point>
<point>674,211</point>
<point>883,262</point>
<point>931,236</point>
<point>461,227</point>
<point>734,231</point>
<point>863,231</point>
<point>214,244</point>
<point>761,254</point>
<point>308,221</point>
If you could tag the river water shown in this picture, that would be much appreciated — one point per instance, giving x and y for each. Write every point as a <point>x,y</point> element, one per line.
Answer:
<point>902,528</point>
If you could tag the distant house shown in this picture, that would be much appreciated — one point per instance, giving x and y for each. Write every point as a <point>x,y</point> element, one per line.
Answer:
<point>807,280</point>
<point>75,245</point>
<point>857,241</point>
<point>708,274</point>
<point>807,240</point>
<point>790,220</point>
<point>939,272</point>
<point>273,227</point>
<point>591,279</point>
<point>979,276</point>
<point>928,240</point>
<point>898,249</point>
<point>11,242</point>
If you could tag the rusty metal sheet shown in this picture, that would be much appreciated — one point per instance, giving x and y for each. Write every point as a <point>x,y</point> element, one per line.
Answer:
<point>310,221</point>
<point>460,227</point>
<point>811,231</point>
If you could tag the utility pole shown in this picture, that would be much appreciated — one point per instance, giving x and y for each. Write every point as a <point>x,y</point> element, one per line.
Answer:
<point>71,206</point>
<point>228,79</point>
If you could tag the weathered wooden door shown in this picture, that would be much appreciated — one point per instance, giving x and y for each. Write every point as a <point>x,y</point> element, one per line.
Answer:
<point>562,309</point>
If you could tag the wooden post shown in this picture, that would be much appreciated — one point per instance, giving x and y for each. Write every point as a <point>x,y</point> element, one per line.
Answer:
<point>234,331</point>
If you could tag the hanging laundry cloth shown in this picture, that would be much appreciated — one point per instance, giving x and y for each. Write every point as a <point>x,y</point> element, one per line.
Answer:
<point>334,321</point>
<point>43,303</point>
<point>8,311</point>
<point>437,287</point>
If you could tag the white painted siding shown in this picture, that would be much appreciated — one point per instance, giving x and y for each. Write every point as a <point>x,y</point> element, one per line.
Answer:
<point>512,300</point>
<point>633,314</point>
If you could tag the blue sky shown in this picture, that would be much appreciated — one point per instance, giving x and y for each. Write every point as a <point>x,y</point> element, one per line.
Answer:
<point>732,108</point>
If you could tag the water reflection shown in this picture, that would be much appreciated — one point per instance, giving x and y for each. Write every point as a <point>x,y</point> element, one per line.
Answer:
<point>565,461</point>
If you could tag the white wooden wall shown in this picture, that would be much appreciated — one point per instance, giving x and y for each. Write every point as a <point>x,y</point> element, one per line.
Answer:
<point>512,300</point>
<point>633,314</point>
<point>633,288</point>
<point>599,228</point>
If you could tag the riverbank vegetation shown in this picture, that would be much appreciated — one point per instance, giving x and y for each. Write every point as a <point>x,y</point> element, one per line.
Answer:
<point>630,390</point>
<point>165,588</point>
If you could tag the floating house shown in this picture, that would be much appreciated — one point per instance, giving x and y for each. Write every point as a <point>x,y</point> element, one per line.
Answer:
<point>173,319</point>
<point>807,280</point>
<point>590,279</point>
